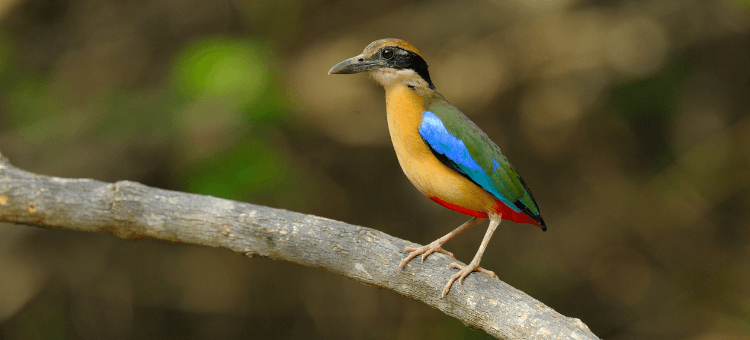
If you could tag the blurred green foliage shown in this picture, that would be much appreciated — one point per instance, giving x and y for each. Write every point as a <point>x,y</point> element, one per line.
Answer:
<point>648,104</point>
<point>251,166</point>
<point>43,321</point>
<point>224,68</point>
<point>225,101</point>
<point>230,99</point>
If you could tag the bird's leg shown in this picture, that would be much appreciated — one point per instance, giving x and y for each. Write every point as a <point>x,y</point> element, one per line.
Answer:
<point>474,265</point>
<point>436,245</point>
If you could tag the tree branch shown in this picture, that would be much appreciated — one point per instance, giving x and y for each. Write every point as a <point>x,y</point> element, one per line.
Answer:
<point>135,211</point>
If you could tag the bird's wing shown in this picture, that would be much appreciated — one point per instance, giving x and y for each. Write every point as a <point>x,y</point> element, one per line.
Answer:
<point>459,144</point>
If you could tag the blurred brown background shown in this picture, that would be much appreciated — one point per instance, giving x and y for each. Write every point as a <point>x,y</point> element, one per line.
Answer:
<point>630,121</point>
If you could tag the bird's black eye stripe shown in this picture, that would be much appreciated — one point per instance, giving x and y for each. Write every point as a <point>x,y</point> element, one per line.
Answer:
<point>399,58</point>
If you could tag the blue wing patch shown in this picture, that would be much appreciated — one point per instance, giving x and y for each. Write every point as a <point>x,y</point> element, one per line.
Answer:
<point>438,138</point>
<point>453,152</point>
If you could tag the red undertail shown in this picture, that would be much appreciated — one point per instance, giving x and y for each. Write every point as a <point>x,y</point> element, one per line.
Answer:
<point>500,208</point>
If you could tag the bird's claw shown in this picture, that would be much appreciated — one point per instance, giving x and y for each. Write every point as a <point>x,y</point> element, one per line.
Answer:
<point>462,273</point>
<point>425,251</point>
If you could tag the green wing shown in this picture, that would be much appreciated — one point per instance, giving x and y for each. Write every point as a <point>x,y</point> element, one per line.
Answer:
<point>463,146</point>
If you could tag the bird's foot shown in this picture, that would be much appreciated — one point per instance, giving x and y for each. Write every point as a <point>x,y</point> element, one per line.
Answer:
<point>424,251</point>
<point>462,273</point>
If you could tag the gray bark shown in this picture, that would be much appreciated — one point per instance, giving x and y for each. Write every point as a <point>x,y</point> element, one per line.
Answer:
<point>135,211</point>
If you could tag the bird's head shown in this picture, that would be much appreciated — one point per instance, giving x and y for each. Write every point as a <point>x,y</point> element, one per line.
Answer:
<point>390,62</point>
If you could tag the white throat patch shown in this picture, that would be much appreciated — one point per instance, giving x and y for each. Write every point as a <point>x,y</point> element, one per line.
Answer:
<point>389,77</point>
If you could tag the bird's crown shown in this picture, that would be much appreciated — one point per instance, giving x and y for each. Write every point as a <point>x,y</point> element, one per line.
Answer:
<point>376,45</point>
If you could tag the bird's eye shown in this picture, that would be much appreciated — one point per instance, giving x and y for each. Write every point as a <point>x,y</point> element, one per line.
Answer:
<point>387,53</point>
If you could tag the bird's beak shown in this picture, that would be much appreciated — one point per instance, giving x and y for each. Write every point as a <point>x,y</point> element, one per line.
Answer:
<point>355,64</point>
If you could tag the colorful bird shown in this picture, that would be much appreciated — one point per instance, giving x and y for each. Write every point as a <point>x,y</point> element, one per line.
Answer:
<point>443,153</point>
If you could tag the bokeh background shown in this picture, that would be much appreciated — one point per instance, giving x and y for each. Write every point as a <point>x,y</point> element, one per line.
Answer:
<point>630,121</point>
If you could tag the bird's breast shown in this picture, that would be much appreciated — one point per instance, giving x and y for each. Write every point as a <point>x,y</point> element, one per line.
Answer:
<point>405,108</point>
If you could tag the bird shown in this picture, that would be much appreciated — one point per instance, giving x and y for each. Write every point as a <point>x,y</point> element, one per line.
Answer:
<point>442,152</point>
